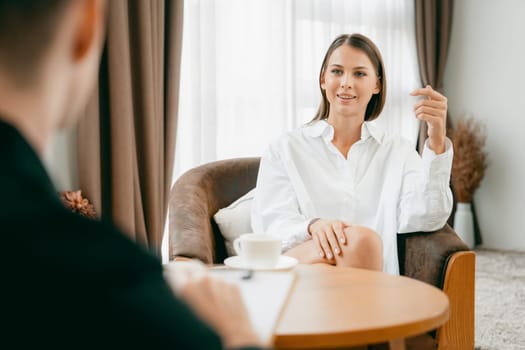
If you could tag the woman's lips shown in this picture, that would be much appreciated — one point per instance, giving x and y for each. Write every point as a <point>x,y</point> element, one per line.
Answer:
<point>346,97</point>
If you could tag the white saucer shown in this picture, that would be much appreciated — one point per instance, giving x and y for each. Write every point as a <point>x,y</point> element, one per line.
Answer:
<point>284,263</point>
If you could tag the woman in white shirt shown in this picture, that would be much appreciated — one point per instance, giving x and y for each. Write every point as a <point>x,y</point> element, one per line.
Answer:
<point>339,189</point>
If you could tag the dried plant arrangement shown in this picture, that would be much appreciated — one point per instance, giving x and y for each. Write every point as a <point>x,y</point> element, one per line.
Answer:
<point>74,201</point>
<point>470,159</point>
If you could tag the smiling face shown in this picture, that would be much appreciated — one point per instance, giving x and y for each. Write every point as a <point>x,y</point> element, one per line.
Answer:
<point>349,82</point>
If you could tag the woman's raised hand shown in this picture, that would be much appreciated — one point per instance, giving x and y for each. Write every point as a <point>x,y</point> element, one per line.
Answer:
<point>433,111</point>
<point>328,236</point>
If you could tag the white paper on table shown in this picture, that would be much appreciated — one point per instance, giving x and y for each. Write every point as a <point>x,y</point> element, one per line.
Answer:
<point>264,294</point>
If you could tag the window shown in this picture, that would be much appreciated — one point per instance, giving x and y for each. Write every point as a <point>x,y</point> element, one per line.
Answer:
<point>250,69</point>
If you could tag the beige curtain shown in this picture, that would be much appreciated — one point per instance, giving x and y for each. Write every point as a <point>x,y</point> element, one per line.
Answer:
<point>126,142</point>
<point>433,27</point>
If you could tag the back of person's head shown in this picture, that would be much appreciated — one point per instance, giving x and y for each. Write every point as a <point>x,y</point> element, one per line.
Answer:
<point>27,29</point>
<point>363,43</point>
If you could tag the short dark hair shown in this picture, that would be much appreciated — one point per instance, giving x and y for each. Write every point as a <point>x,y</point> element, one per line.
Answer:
<point>27,28</point>
<point>361,42</point>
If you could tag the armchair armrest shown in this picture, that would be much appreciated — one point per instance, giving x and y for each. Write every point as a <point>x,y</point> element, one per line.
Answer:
<point>191,235</point>
<point>196,196</point>
<point>442,259</point>
<point>424,255</point>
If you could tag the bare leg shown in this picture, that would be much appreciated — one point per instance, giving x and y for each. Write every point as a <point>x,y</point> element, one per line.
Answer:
<point>308,253</point>
<point>363,249</point>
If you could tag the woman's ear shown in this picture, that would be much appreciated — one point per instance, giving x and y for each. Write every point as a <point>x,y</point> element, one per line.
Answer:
<point>377,89</point>
<point>322,82</point>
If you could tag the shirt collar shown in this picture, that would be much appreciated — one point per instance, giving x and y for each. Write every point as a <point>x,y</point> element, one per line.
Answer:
<point>372,129</point>
<point>322,128</point>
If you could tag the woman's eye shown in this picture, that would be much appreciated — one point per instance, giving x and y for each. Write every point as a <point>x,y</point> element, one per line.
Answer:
<point>337,71</point>
<point>360,74</point>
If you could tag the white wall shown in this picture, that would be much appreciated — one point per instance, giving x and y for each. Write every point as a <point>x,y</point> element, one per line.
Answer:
<point>485,78</point>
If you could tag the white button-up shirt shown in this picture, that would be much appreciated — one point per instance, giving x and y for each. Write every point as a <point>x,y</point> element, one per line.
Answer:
<point>383,184</point>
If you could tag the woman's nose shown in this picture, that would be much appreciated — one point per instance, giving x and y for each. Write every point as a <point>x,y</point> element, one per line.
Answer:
<point>346,82</point>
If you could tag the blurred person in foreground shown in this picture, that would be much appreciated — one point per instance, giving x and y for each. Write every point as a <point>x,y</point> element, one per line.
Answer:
<point>71,282</point>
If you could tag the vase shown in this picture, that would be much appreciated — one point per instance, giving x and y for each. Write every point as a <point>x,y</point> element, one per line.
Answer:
<point>464,223</point>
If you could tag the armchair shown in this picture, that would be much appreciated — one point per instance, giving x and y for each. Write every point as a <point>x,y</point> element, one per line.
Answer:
<point>439,258</point>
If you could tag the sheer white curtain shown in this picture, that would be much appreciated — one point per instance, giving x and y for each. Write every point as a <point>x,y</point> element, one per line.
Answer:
<point>250,69</point>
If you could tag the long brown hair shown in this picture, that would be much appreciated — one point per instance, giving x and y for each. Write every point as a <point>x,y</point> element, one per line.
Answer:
<point>361,42</point>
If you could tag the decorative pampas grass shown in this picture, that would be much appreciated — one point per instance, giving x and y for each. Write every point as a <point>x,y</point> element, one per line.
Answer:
<point>470,160</point>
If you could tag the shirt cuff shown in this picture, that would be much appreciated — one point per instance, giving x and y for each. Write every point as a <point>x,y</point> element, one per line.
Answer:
<point>430,155</point>
<point>301,235</point>
<point>438,167</point>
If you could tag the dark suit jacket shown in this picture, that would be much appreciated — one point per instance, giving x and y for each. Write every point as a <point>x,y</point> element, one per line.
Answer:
<point>70,282</point>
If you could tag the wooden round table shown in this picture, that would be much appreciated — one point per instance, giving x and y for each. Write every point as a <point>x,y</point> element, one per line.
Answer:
<point>337,307</point>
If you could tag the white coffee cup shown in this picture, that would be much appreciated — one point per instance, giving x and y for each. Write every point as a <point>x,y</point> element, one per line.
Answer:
<point>258,250</point>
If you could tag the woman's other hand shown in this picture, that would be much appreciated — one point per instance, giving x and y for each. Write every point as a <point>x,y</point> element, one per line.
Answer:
<point>433,111</point>
<point>328,236</point>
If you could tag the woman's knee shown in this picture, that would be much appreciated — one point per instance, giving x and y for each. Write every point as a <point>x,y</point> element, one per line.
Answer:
<point>364,237</point>
<point>364,248</point>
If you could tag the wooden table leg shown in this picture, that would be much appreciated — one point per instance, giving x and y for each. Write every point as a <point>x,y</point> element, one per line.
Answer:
<point>397,344</point>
